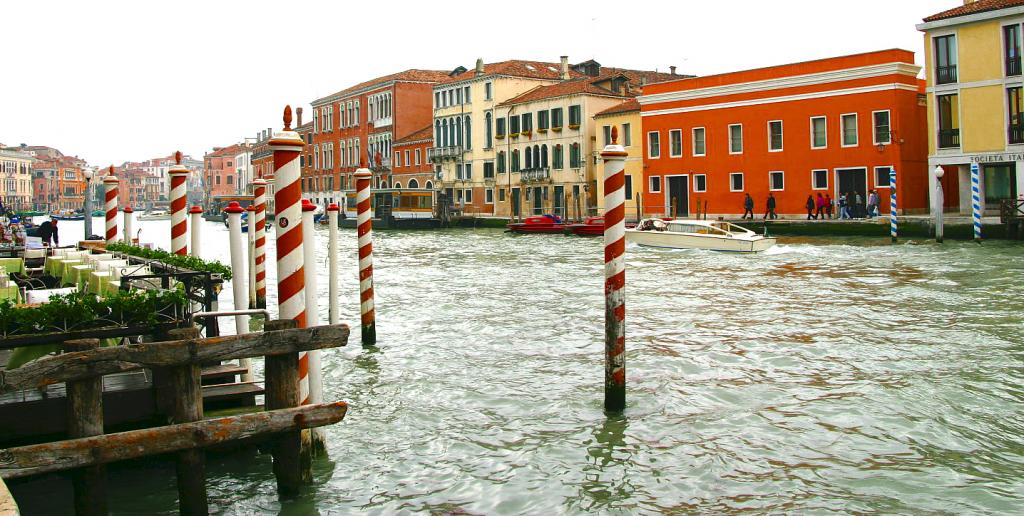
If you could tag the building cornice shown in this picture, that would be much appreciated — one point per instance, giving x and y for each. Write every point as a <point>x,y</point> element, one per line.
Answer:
<point>355,93</point>
<point>795,81</point>
<point>784,98</point>
<point>970,18</point>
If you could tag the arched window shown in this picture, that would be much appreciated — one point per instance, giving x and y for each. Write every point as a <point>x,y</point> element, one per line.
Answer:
<point>544,156</point>
<point>469,133</point>
<point>515,160</point>
<point>458,131</point>
<point>429,185</point>
<point>444,132</point>
<point>398,185</point>
<point>414,183</point>
<point>557,157</point>
<point>529,159</point>
<point>489,136</point>
<point>501,162</point>
<point>536,155</point>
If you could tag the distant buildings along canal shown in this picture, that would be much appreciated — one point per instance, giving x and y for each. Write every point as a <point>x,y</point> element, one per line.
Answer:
<point>975,105</point>
<point>827,126</point>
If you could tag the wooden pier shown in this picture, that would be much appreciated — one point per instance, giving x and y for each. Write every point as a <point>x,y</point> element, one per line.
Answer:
<point>1011,213</point>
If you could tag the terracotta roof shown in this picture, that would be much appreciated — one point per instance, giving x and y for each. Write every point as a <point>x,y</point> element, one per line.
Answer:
<point>976,7</point>
<point>412,75</point>
<point>230,150</point>
<point>589,85</point>
<point>624,107</point>
<point>517,68</point>
<point>427,133</point>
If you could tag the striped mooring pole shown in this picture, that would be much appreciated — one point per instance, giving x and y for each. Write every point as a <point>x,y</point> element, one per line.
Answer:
<point>364,230</point>
<point>238,288</point>
<point>893,222</point>
<point>315,378</point>
<point>250,252</point>
<point>614,157</point>
<point>259,191</point>
<point>110,183</point>
<point>196,213</point>
<point>976,200</point>
<point>291,282</point>
<point>179,223</point>
<point>127,213</point>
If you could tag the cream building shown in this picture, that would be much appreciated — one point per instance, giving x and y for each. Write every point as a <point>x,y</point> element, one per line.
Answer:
<point>625,118</point>
<point>16,179</point>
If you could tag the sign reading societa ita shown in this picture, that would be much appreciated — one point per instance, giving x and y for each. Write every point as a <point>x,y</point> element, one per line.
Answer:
<point>997,158</point>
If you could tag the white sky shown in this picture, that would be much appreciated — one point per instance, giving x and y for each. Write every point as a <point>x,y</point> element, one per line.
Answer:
<point>119,81</point>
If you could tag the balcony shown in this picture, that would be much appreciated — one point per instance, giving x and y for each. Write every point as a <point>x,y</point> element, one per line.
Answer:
<point>382,122</point>
<point>534,174</point>
<point>1012,66</point>
<point>438,154</point>
<point>1015,133</point>
<point>945,74</point>
<point>949,138</point>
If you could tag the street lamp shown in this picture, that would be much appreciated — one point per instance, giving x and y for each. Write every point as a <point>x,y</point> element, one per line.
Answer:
<point>88,204</point>
<point>939,202</point>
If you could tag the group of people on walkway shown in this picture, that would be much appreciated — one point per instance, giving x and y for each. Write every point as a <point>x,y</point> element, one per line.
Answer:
<point>850,206</point>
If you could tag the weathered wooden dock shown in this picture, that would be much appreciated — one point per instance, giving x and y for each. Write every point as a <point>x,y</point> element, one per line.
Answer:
<point>1011,213</point>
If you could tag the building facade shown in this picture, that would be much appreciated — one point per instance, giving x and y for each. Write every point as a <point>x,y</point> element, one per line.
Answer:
<point>409,165</point>
<point>16,179</point>
<point>976,101</point>
<point>219,173</point>
<point>625,119</point>
<point>829,126</point>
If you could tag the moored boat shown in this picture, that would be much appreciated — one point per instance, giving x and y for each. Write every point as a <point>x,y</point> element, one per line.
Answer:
<point>591,226</point>
<point>714,235</point>
<point>66,215</point>
<point>538,224</point>
<point>155,215</point>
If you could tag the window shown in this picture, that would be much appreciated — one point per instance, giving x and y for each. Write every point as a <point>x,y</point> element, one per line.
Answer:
<point>557,157</point>
<point>515,160</point>
<point>655,184</point>
<point>776,181</point>
<point>675,143</point>
<point>468,196</point>
<point>949,121</point>
<point>735,139</point>
<point>945,59</point>
<point>627,138</point>
<point>819,132</point>
<point>542,120</point>
<point>489,196</point>
<point>819,179</point>
<point>468,169</point>
<point>700,183</point>
<point>501,162</point>
<point>500,127</point>
<point>1015,104</point>
<point>1011,47</point>
<point>698,142</point>
<point>230,179</point>
<point>527,122</point>
<point>398,159</point>
<point>488,136</point>
<point>513,125</point>
<point>882,132</point>
<point>607,134</point>
<point>488,91</point>
<point>775,136</point>
<point>882,177</point>
<point>736,182</point>
<point>653,144</point>
<point>417,156</point>
<point>575,160</point>
<point>849,129</point>
<point>458,171</point>
<point>437,99</point>
<point>501,195</point>
<point>629,187</point>
<point>556,118</point>
<point>574,116</point>
<point>465,94</point>
<point>488,170</point>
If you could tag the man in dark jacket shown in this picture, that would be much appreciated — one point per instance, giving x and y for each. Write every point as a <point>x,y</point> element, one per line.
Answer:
<point>48,232</point>
<point>770,211</point>
<point>748,207</point>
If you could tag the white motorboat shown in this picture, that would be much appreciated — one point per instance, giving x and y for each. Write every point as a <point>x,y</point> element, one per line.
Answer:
<point>155,215</point>
<point>715,235</point>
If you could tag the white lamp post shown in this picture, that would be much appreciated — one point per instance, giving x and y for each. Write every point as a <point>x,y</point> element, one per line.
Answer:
<point>88,204</point>
<point>939,202</point>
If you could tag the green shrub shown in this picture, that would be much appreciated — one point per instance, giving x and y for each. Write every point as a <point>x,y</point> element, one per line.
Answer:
<point>185,262</point>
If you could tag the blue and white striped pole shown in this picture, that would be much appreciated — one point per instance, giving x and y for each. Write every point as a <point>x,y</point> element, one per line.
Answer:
<point>976,200</point>
<point>893,224</point>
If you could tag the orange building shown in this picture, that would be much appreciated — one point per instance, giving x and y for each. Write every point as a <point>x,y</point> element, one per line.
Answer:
<point>829,126</point>
<point>409,167</point>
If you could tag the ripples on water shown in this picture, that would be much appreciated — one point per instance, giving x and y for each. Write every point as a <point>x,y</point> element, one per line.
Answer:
<point>824,375</point>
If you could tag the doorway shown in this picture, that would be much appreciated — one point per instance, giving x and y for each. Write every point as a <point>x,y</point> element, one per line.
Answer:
<point>1000,182</point>
<point>853,181</point>
<point>516,204</point>
<point>559,201</point>
<point>677,199</point>
<point>538,200</point>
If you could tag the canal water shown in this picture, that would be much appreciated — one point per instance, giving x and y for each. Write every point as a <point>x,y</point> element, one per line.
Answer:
<point>826,374</point>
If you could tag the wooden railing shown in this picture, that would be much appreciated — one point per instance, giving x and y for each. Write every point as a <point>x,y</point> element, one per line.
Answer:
<point>89,449</point>
<point>1010,209</point>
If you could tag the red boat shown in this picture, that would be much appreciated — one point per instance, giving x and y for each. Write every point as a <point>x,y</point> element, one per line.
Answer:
<point>592,226</point>
<point>539,224</point>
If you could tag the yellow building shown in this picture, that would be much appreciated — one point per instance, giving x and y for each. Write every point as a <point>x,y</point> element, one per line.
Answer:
<point>975,104</point>
<point>16,179</point>
<point>626,118</point>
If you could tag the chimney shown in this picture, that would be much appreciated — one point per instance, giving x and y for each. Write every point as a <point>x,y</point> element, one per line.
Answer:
<point>479,66</point>
<point>565,68</point>
<point>298,114</point>
<point>672,69</point>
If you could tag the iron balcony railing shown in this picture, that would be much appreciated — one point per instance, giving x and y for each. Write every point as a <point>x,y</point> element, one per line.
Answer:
<point>1013,66</point>
<point>949,138</point>
<point>945,74</point>
<point>1016,133</point>
<point>535,174</point>
<point>435,154</point>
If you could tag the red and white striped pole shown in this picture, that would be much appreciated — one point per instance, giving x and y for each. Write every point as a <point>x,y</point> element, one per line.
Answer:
<point>364,229</point>
<point>614,157</point>
<point>291,282</point>
<point>196,212</point>
<point>179,223</point>
<point>259,190</point>
<point>127,213</point>
<point>110,183</point>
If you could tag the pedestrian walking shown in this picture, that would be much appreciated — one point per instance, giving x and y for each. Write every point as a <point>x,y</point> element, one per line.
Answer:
<point>858,206</point>
<point>829,206</point>
<point>810,208</point>
<point>844,205</point>
<point>819,203</point>
<point>872,204</point>
<point>748,207</point>
<point>770,208</point>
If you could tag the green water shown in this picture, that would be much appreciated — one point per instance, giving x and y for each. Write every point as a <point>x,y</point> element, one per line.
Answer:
<point>827,375</point>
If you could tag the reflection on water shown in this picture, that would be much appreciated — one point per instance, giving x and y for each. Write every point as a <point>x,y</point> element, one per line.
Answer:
<point>843,375</point>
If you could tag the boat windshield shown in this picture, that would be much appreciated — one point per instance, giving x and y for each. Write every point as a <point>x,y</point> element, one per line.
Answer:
<point>729,227</point>
<point>698,229</point>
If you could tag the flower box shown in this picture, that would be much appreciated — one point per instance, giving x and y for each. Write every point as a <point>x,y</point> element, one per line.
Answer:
<point>557,129</point>
<point>542,130</point>
<point>526,134</point>
<point>513,135</point>
<point>574,126</point>
<point>500,136</point>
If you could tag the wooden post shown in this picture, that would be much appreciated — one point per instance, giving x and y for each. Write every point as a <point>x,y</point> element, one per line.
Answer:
<point>282,384</point>
<point>638,211</point>
<point>673,212</point>
<point>85,419</point>
<point>188,407</point>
